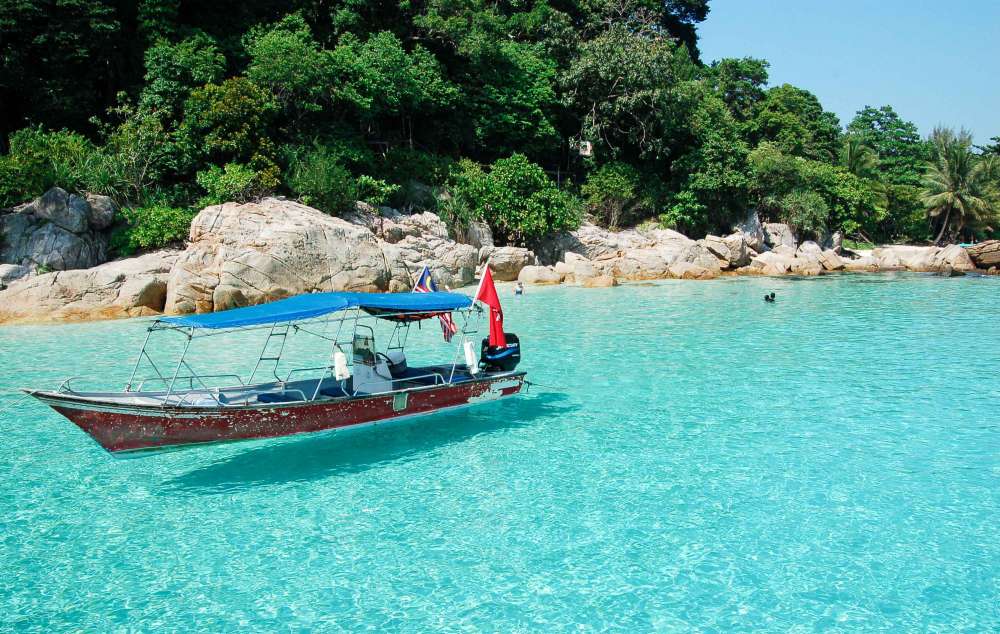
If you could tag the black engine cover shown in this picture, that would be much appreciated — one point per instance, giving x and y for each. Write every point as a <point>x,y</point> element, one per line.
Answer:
<point>496,359</point>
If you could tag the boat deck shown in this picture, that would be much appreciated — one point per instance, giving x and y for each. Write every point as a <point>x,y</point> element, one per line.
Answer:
<point>275,392</point>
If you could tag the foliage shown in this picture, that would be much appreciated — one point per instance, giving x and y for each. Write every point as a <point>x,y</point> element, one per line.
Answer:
<point>621,90</point>
<point>805,211</point>
<point>41,159</point>
<point>319,179</point>
<point>285,59</point>
<point>150,227</point>
<point>517,200</point>
<point>900,151</point>
<point>611,192</point>
<point>795,121</point>
<point>173,70</point>
<point>134,157</point>
<point>957,185</point>
<point>373,191</point>
<point>331,101</point>
<point>235,182</point>
<point>740,83</point>
<point>228,121</point>
<point>851,204</point>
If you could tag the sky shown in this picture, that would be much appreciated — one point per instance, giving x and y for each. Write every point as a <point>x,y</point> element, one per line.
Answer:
<point>933,62</point>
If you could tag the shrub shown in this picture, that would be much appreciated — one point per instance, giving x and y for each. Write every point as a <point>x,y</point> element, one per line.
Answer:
<point>235,182</point>
<point>150,227</point>
<point>611,192</point>
<point>174,69</point>
<point>517,200</point>
<point>317,178</point>
<point>39,160</point>
<point>374,191</point>
<point>805,211</point>
<point>134,156</point>
<point>228,121</point>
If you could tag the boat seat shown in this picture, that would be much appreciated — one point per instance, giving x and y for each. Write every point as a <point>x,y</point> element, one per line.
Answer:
<point>333,391</point>
<point>278,397</point>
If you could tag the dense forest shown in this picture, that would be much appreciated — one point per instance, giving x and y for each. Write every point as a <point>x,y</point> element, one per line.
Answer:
<point>528,114</point>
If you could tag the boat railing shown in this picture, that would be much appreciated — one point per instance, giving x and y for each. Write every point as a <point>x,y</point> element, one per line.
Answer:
<point>191,379</point>
<point>64,387</point>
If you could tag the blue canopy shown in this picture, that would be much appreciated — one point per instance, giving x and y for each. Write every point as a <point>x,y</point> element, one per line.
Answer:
<point>312,305</point>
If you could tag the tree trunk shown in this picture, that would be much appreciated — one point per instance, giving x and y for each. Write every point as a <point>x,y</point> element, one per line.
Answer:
<point>944,226</point>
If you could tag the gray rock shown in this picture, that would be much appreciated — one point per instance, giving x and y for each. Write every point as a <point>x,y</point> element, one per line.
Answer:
<point>590,241</point>
<point>12,272</point>
<point>506,262</point>
<point>752,230</point>
<point>689,271</point>
<point>124,288</point>
<point>718,247</point>
<point>954,258</point>
<point>599,281</point>
<point>69,212</point>
<point>831,261</point>
<point>700,256</point>
<point>539,275</point>
<point>806,266</point>
<point>52,232</point>
<point>739,251</point>
<point>477,235</point>
<point>257,252</point>
<point>771,263</point>
<point>778,233</point>
<point>102,211</point>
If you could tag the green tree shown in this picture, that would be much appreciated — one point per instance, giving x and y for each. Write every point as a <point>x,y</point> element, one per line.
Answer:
<point>517,200</point>
<point>285,59</point>
<point>620,88</point>
<point>795,120</point>
<point>228,122</point>
<point>613,192</point>
<point>956,185</point>
<point>858,158</point>
<point>740,83</point>
<point>901,152</point>
<point>173,70</point>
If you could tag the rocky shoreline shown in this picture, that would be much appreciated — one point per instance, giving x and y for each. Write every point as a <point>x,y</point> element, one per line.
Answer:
<point>238,254</point>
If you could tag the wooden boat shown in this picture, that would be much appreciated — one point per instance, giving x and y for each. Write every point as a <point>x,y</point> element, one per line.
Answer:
<point>358,384</point>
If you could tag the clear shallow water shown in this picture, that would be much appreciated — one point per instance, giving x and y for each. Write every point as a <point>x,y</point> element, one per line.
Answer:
<point>704,460</point>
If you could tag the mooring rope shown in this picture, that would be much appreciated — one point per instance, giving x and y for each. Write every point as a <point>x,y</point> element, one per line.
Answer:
<point>23,398</point>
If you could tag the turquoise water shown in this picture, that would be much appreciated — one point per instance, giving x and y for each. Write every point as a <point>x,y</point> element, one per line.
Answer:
<point>700,459</point>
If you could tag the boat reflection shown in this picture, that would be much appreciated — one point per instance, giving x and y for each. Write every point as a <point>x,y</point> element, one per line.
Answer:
<point>310,458</point>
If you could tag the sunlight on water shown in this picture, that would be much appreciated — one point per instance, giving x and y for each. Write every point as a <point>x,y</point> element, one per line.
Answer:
<point>697,458</point>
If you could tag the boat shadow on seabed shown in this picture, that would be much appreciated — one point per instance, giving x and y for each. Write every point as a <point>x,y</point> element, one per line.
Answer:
<point>308,458</point>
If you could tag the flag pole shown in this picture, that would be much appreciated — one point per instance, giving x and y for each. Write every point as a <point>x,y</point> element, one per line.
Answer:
<point>482,278</point>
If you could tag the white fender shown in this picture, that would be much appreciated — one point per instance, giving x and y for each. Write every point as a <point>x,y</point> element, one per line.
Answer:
<point>341,371</point>
<point>470,357</point>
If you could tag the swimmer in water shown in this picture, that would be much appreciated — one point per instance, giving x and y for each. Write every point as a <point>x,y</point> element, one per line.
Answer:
<point>519,289</point>
<point>769,298</point>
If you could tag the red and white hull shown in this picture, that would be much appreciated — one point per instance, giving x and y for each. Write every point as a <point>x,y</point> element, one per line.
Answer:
<point>121,428</point>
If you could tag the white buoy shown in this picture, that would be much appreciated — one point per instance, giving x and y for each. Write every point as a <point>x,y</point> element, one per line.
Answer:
<point>340,370</point>
<point>470,357</point>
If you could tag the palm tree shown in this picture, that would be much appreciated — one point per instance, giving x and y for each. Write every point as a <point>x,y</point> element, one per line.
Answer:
<point>956,183</point>
<point>858,158</point>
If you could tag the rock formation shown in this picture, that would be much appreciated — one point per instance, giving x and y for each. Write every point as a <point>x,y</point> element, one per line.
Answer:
<point>57,231</point>
<point>123,288</point>
<point>985,255</point>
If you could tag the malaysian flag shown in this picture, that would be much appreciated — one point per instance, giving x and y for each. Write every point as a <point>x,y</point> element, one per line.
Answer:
<point>425,284</point>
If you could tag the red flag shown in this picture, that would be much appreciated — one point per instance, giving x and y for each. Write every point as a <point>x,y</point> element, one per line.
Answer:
<point>487,294</point>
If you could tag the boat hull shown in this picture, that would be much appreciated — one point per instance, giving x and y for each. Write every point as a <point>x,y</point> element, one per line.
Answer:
<point>124,429</point>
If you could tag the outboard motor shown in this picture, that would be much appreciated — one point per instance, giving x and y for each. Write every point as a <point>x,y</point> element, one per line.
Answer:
<point>493,359</point>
